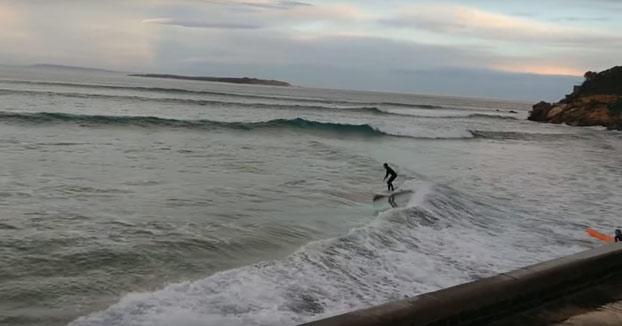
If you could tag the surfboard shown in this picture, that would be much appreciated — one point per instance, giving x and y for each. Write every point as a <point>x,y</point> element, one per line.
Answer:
<point>599,235</point>
<point>385,194</point>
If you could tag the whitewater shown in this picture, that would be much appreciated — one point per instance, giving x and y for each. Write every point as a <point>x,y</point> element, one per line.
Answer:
<point>131,201</point>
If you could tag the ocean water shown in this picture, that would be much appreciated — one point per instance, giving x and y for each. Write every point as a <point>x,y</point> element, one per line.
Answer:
<point>133,201</point>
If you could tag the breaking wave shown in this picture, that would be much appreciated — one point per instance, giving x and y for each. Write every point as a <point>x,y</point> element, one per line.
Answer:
<point>402,252</point>
<point>151,121</point>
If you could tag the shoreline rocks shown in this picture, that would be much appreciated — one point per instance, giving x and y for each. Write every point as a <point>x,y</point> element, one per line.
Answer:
<point>597,102</point>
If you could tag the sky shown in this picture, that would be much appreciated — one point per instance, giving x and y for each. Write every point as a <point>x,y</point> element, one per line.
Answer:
<point>529,49</point>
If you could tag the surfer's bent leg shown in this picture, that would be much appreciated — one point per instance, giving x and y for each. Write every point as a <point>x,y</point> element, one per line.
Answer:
<point>390,183</point>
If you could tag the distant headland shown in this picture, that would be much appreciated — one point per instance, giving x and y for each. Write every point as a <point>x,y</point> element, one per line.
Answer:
<point>597,102</point>
<point>244,80</point>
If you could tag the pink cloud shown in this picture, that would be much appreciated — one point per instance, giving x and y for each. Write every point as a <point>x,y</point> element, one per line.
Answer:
<point>459,20</point>
<point>9,17</point>
<point>541,69</point>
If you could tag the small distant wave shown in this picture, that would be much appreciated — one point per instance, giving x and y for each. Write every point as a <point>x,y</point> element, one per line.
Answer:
<point>419,106</point>
<point>297,124</point>
<point>133,88</point>
<point>446,114</point>
<point>491,116</point>
<point>6,226</point>
<point>374,110</point>
<point>181,91</point>
<point>516,135</point>
<point>327,101</point>
<point>417,111</point>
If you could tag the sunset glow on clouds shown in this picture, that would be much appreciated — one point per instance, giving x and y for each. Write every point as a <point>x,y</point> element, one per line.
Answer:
<point>541,69</point>
<point>309,42</point>
<point>464,21</point>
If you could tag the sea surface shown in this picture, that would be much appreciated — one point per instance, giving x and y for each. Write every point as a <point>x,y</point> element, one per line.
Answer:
<point>128,201</point>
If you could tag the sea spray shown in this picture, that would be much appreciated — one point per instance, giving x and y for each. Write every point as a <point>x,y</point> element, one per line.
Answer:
<point>432,243</point>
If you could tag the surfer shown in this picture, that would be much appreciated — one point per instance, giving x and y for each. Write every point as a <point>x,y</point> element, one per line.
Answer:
<point>618,237</point>
<point>391,173</point>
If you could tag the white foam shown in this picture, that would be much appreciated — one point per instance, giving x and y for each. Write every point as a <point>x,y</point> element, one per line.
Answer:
<point>430,133</point>
<point>446,113</point>
<point>440,239</point>
<point>421,191</point>
<point>597,128</point>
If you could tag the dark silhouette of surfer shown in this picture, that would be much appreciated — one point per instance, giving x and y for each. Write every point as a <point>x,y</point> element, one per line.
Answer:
<point>618,237</point>
<point>391,173</point>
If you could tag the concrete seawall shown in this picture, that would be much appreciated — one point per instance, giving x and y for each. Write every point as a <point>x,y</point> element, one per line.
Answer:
<point>498,297</point>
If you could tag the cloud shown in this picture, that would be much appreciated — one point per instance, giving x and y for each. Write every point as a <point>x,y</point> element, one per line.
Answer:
<point>258,4</point>
<point>583,19</point>
<point>333,11</point>
<point>540,69</point>
<point>74,36</point>
<point>281,15</point>
<point>487,83</point>
<point>347,51</point>
<point>11,20</point>
<point>465,21</point>
<point>5,15</point>
<point>269,4</point>
<point>236,5</point>
<point>200,24</point>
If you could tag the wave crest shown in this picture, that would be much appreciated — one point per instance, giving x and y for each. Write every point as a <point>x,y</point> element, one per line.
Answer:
<point>402,252</point>
<point>296,124</point>
<point>150,121</point>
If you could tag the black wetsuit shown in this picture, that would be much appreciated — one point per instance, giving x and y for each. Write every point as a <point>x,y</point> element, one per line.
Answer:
<point>393,176</point>
<point>618,237</point>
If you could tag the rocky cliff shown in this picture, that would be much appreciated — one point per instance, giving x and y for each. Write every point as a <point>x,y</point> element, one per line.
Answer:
<point>597,102</point>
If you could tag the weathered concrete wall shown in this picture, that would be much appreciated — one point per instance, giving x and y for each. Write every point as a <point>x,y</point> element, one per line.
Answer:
<point>493,298</point>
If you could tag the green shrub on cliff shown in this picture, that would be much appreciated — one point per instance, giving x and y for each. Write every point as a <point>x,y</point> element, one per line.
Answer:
<point>606,82</point>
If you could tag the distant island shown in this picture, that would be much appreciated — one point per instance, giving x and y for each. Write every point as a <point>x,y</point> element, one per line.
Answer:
<point>597,102</point>
<point>244,80</point>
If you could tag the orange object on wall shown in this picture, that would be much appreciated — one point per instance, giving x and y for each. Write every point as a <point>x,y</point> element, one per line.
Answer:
<point>599,235</point>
